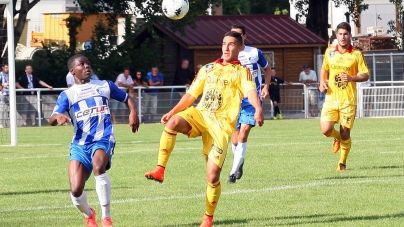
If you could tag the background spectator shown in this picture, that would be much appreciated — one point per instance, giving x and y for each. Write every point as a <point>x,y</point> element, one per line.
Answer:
<point>182,76</point>
<point>154,78</point>
<point>4,100</point>
<point>309,78</point>
<point>29,81</point>
<point>275,93</point>
<point>125,82</point>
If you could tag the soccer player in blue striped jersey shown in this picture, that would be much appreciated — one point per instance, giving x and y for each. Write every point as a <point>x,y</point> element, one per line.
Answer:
<point>251,58</point>
<point>92,146</point>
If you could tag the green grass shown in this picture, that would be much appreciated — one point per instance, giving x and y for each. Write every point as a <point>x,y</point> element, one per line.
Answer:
<point>289,179</point>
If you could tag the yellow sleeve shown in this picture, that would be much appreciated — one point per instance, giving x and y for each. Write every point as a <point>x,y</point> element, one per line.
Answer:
<point>362,66</point>
<point>325,60</point>
<point>246,81</point>
<point>198,84</point>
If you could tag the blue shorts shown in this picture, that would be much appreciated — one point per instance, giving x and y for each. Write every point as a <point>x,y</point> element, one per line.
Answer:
<point>246,116</point>
<point>85,153</point>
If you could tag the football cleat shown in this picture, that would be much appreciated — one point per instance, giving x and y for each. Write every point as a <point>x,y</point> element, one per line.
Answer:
<point>156,174</point>
<point>239,172</point>
<point>341,167</point>
<point>280,116</point>
<point>207,221</point>
<point>106,222</point>
<point>274,118</point>
<point>232,179</point>
<point>90,221</point>
<point>336,145</point>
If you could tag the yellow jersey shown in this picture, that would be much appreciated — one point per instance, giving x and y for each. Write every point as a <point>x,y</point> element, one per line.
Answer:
<point>222,88</point>
<point>352,63</point>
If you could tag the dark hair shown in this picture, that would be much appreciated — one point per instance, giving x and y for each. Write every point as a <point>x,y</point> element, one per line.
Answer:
<point>240,26</point>
<point>139,80</point>
<point>126,68</point>
<point>235,35</point>
<point>344,25</point>
<point>71,60</point>
<point>306,66</point>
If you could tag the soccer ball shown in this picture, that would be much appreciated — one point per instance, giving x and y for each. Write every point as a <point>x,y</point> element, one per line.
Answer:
<point>175,9</point>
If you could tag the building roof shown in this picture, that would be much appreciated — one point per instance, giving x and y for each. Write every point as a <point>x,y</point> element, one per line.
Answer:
<point>263,31</point>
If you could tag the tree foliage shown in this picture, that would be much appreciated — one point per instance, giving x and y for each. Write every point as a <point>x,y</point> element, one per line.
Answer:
<point>243,7</point>
<point>396,27</point>
<point>23,8</point>
<point>316,13</point>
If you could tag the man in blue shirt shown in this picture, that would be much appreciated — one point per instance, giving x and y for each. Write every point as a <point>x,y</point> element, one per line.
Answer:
<point>154,78</point>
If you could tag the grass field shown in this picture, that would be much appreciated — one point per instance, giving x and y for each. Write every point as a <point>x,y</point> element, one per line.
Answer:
<point>289,179</point>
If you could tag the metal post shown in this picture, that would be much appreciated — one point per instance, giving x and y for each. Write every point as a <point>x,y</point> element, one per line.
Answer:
<point>38,106</point>
<point>11,73</point>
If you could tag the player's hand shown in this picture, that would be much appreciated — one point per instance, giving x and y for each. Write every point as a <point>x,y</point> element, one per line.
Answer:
<point>264,93</point>
<point>63,119</point>
<point>345,77</point>
<point>323,86</point>
<point>166,117</point>
<point>134,121</point>
<point>259,116</point>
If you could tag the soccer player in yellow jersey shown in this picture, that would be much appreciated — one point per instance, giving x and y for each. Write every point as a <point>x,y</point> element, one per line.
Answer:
<point>222,84</point>
<point>343,66</point>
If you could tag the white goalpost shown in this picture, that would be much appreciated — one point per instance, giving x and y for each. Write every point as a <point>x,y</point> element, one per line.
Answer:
<point>11,73</point>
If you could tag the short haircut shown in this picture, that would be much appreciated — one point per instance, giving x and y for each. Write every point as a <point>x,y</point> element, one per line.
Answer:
<point>238,26</point>
<point>344,25</point>
<point>235,35</point>
<point>70,62</point>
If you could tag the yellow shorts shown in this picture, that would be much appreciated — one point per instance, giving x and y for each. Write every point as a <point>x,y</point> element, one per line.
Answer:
<point>339,113</point>
<point>215,139</point>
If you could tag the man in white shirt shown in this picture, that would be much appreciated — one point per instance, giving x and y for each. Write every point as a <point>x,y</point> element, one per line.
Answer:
<point>309,78</point>
<point>125,82</point>
<point>69,80</point>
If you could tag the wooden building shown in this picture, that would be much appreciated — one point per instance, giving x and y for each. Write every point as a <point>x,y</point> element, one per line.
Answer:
<point>293,45</point>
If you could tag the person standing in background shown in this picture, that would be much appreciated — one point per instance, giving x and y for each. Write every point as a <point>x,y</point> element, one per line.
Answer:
<point>154,78</point>
<point>309,78</point>
<point>29,81</point>
<point>125,82</point>
<point>4,95</point>
<point>275,93</point>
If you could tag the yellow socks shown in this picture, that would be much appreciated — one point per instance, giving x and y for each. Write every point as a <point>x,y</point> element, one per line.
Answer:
<point>167,143</point>
<point>345,148</point>
<point>334,133</point>
<point>213,191</point>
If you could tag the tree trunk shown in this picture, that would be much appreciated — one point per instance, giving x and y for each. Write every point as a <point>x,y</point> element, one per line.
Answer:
<point>3,34</point>
<point>317,18</point>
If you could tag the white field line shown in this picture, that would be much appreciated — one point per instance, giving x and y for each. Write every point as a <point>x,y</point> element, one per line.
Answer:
<point>155,149</point>
<point>194,196</point>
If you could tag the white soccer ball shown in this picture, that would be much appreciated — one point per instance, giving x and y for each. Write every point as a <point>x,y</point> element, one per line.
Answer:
<point>175,9</point>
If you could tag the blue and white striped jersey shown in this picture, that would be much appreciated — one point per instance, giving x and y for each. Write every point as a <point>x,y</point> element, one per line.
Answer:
<point>87,106</point>
<point>251,58</point>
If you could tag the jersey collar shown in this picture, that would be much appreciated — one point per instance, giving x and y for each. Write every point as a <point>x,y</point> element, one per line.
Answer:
<point>349,50</point>
<point>235,62</point>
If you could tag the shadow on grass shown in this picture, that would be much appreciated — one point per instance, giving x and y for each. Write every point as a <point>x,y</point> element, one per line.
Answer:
<point>39,192</point>
<point>381,167</point>
<point>336,219</point>
<point>224,222</point>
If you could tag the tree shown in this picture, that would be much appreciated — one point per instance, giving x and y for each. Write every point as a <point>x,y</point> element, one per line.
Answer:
<point>316,13</point>
<point>396,27</point>
<point>236,7</point>
<point>26,5</point>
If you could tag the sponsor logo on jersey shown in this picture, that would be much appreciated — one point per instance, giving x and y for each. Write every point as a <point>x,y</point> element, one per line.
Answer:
<point>339,83</point>
<point>93,111</point>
